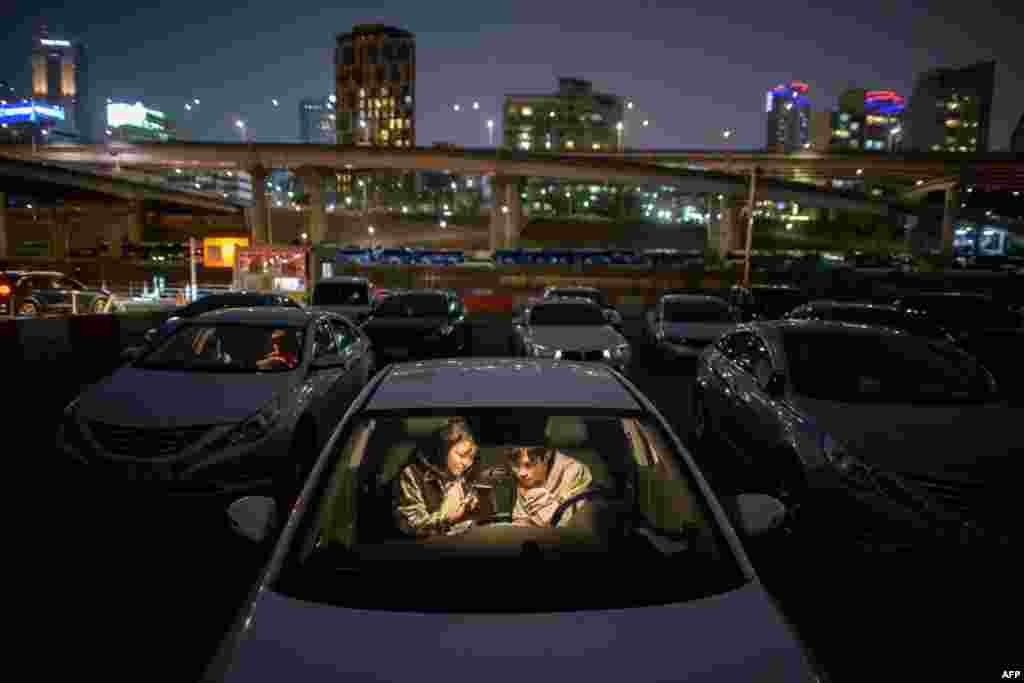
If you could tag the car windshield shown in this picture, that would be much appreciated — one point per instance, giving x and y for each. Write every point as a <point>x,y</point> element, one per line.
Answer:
<point>226,347</point>
<point>596,297</point>
<point>567,314</point>
<point>413,306</point>
<point>881,369</point>
<point>698,312</point>
<point>777,302</point>
<point>408,504</point>
<point>341,294</point>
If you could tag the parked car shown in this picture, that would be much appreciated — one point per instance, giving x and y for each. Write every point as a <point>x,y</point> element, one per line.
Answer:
<point>681,325</point>
<point>232,400</point>
<point>494,594</point>
<point>962,313</point>
<point>422,323</point>
<point>350,296</point>
<point>591,293</point>
<point>877,315</point>
<point>767,302</point>
<point>33,293</point>
<point>881,436</point>
<point>213,302</point>
<point>569,329</point>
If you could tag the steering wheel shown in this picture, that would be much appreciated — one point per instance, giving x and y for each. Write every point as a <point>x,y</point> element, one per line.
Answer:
<point>596,492</point>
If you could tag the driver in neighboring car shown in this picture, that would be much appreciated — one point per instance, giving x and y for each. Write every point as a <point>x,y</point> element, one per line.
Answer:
<point>283,351</point>
<point>433,492</point>
<point>545,479</point>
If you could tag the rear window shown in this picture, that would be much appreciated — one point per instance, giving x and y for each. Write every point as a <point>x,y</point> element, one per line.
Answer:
<point>710,311</point>
<point>341,294</point>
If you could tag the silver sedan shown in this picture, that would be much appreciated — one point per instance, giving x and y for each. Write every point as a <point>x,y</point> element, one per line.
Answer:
<point>570,329</point>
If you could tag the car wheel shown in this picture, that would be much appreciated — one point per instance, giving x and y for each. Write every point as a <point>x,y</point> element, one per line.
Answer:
<point>28,309</point>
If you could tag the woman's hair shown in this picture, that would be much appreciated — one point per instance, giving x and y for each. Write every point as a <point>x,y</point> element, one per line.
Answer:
<point>457,430</point>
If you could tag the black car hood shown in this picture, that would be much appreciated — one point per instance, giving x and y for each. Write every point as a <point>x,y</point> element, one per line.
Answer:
<point>403,328</point>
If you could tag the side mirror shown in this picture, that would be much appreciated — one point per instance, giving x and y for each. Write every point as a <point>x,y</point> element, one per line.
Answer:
<point>131,354</point>
<point>253,517</point>
<point>758,514</point>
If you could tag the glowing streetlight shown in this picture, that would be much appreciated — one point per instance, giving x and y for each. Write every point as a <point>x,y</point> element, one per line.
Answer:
<point>490,130</point>
<point>444,224</point>
<point>645,123</point>
<point>455,107</point>
<point>188,107</point>
<point>629,105</point>
<point>860,171</point>
<point>789,226</point>
<point>109,132</point>
<point>476,105</point>
<point>348,200</point>
<point>504,208</point>
<point>726,134</point>
<point>275,103</point>
<point>240,123</point>
<point>196,101</point>
<point>305,236</point>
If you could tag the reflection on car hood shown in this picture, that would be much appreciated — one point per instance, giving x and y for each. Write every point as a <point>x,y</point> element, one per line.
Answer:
<point>134,397</point>
<point>347,311</point>
<point>575,336</point>
<point>708,331</point>
<point>737,636</point>
<point>954,441</point>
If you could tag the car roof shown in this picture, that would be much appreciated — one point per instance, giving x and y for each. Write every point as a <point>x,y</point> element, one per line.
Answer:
<point>945,295</point>
<point>777,327</point>
<point>581,288</point>
<point>345,279</point>
<point>23,273</point>
<point>562,300</point>
<point>692,298</point>
<point>398,292</point>
<point>831,303</point>
<point>261,315</point>
<point>501,382</point>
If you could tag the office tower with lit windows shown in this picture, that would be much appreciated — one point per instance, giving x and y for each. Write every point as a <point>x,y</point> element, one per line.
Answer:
<point>59,79</point>
<point>318,120</point>
<point>575,118</point>
<point>789,117</point>
<point>868,120</point>
<point>950,109</point>
<point>375,75</point>
<point>1017,139</point>
<point>137,123</point>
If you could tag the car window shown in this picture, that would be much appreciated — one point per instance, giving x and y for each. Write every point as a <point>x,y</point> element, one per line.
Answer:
<point>42,282</point>
<point>344,335</point>
<point>413,305</point>
<point>341,294</point>
<point>376,514</point>
<point>325,342</point>
<point>68,283</point>
<point>700,311</point>
<point>226,347</point>
<point>882,368</point>
<point>567,314</point>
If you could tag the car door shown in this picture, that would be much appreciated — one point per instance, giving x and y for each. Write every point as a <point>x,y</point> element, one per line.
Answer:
<point>718,382</point>
<point>757,413</point>
<point>737,381</point>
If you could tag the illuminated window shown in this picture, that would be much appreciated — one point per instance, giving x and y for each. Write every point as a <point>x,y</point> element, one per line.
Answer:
<point>597,145</point>
<point>570,144</point>
<point>525,144</point>
<point>952,123</point>
<point>527,111</point>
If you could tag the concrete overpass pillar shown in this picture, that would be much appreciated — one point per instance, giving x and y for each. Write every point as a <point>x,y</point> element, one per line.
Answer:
<point>115,232</point>
<point>316,218</point>
<point>3,225</point>
<point>506,214</point>
<point>259,218</point>
<point>725,233</point>
<point>949,213</point>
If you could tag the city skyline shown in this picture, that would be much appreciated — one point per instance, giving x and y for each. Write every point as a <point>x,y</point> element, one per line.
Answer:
<point>691,84</point>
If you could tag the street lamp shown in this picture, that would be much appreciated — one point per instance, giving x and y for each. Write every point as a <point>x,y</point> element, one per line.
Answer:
<point>476,105</point>
<point>275,102</point>
<point>444,223</point>
<point>490,131</point>
<point>240,124</point>
<point>455,107</point>
<point>371,231</point>
<point>620,127</point>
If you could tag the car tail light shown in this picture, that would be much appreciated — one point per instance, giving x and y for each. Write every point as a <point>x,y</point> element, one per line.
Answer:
<point>5,290</point>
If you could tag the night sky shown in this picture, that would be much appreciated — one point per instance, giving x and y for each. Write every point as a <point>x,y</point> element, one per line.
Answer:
<point>693,70</point>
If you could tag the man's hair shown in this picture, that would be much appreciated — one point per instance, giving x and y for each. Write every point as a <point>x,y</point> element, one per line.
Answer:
<point>534,454</point>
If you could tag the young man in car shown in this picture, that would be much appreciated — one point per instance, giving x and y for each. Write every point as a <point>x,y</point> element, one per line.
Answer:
<point>283,347</point>
<point>433,494</point>
<point>545,479</point>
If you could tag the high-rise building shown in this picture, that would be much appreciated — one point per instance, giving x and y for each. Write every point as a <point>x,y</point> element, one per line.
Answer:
<point>59,78</point>
<point>375,74</point>
<point>32,121</point>
<point>1017,139</point>
<point>137,123</point>
<point>789,117</point>
<point>318,120</point>
<point>950,109</point>
<point>575,118</point>
<point>868,120</point>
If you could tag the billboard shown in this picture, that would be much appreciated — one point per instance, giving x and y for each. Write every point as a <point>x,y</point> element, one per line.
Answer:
<point>135,115</point>
<point>30,111</point>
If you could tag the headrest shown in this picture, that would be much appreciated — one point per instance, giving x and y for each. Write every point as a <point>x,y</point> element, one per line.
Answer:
<point>566,432</point>
<point>423,427</point>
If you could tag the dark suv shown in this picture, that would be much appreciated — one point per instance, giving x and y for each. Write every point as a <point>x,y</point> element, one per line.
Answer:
<point>32,293</point>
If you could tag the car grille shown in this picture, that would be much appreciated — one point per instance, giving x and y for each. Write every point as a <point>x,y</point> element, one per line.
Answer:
<point>597,355</point>
<point>144,442</point>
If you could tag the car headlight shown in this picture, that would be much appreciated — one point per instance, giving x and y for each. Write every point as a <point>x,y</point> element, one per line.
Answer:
<point>617,353</point>
<point>255,428</point>
<point>542,351</point>
<point>848,465</point>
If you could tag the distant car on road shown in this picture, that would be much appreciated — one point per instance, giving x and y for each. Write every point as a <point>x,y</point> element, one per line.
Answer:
<point>681,325</point>
<point>517,597</point>
<point>232,400</point>
<point>592,293</point>
<point>874,432</point>
<point>213,302</point>
<point>570,329</point>
<point>351,296</point>
<point>31,293</point>
<point>420,323</point>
